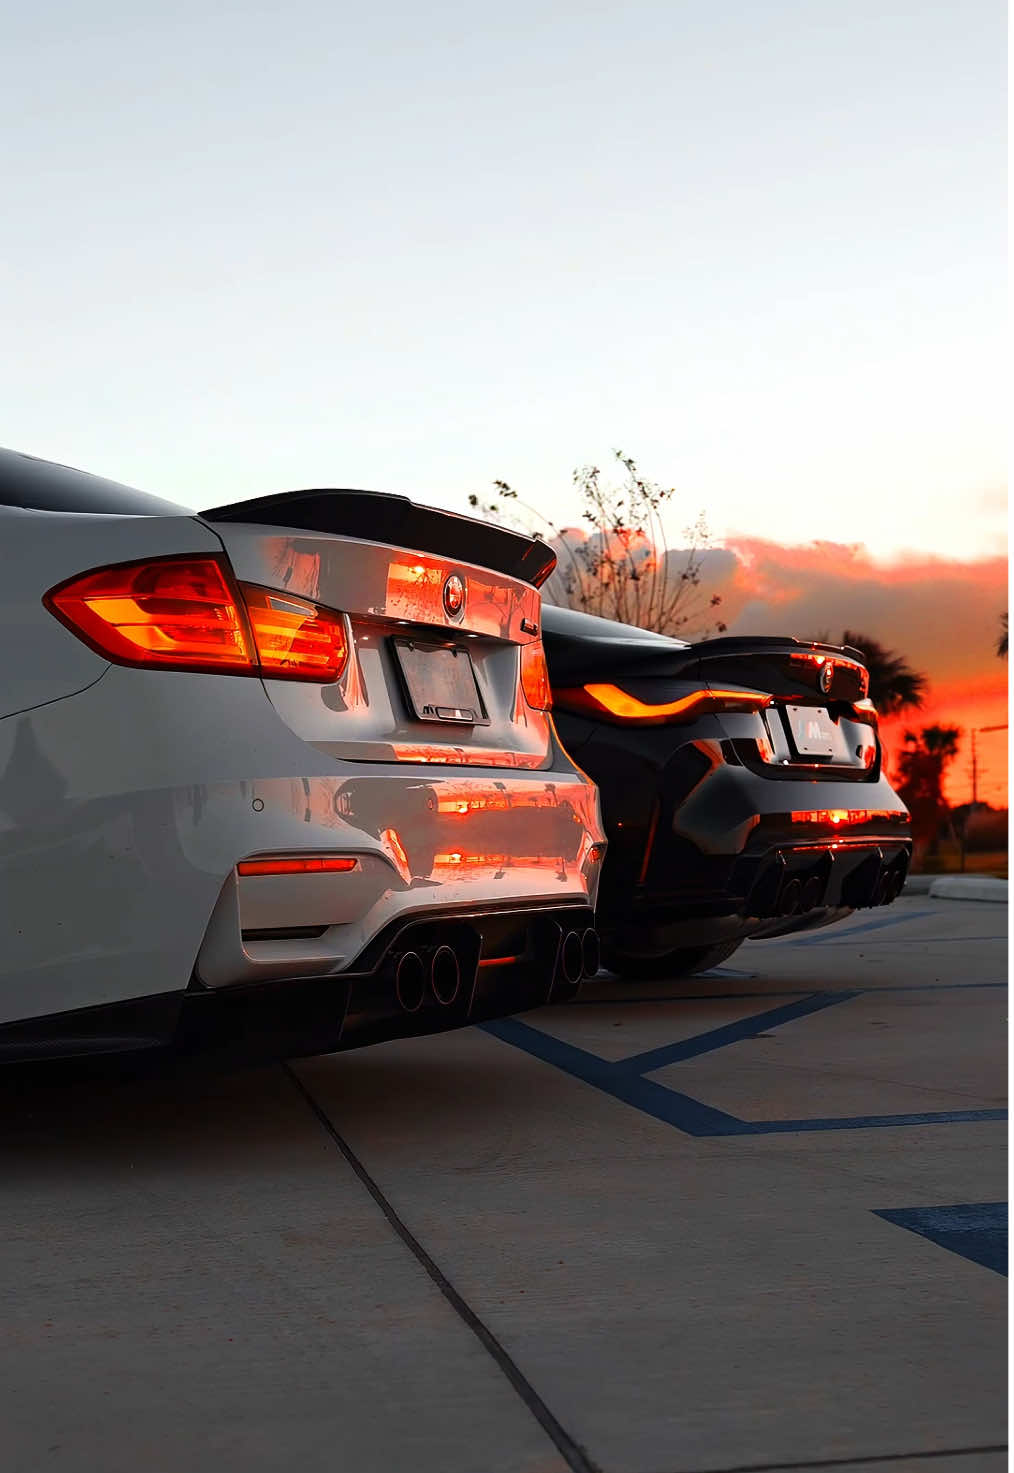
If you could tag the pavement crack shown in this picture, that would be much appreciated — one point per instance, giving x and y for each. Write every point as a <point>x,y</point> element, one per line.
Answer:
<point>572,1453</point>
<point>869,1460</point>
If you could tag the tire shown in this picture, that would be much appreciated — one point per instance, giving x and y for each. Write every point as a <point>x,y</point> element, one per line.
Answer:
<point>683,963</point>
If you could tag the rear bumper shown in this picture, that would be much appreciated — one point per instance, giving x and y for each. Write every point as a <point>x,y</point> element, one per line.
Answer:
<point>506,959</point>
<point>704,849</point>
<point>125,809</point>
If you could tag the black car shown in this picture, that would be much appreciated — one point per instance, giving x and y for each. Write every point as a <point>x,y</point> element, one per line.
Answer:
<point>741,783</point>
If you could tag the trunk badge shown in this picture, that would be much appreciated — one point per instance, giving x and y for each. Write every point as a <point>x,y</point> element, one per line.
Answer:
<point>454,597</point>
<point>827,676</point>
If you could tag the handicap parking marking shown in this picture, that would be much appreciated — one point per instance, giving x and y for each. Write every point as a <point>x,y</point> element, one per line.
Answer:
<point>625,1079</point>
<point>976,1230</point>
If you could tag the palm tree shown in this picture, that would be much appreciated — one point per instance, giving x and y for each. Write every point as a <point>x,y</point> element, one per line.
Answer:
<point>1001,643</point>
<point>894,685</point>
<point>921,766</point>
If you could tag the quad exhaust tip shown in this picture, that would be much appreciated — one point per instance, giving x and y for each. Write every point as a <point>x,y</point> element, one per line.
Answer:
<point>445,975</point>
<point>438,975</point>
<point>579,955</point>
<point>410,981</point>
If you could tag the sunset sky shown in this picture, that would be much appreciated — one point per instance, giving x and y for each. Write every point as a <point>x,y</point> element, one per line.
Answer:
<point>417,247</point>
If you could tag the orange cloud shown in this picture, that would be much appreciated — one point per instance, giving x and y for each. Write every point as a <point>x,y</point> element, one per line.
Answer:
<point>941,614</point>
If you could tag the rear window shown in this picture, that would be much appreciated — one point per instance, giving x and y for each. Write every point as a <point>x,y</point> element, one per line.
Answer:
<point>40,485</point>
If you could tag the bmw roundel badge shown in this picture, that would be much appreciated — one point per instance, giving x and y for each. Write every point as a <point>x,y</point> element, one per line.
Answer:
<point>454,597</point>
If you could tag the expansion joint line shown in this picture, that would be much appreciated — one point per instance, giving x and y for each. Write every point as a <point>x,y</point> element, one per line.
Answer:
<point>574,1455</point>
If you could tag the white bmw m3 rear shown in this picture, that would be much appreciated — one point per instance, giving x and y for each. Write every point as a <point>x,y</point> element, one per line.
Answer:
<point>279,777</point>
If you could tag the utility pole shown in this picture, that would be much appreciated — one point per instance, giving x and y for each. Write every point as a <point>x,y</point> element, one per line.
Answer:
<point>975,782</point>
<point>975,761</point>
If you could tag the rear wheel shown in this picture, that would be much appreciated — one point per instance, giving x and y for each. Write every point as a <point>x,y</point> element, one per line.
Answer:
<point>682,963</point>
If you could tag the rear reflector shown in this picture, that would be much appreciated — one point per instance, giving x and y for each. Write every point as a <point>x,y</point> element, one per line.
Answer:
<point>311,865</point>
<point>185,613</point>
<point>614,703</point>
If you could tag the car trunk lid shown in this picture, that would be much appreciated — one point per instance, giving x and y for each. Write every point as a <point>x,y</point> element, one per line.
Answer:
<point>439,609</point>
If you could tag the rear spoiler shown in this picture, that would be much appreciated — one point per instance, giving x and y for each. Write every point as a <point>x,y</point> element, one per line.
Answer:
<point>376,516</point>
<point>745,644</point>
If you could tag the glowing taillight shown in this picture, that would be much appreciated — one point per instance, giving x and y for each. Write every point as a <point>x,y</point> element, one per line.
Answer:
<point>535,676</point>
<point>618,705</point>
<point>295,639</point>
<point>313,864</point>
<point>185,613</point>
<point>172,612</point>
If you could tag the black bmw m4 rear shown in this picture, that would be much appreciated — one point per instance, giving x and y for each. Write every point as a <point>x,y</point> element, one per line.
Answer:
<point>741,784</point>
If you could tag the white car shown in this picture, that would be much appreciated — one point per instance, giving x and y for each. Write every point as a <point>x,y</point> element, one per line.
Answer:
<point>279,776</point>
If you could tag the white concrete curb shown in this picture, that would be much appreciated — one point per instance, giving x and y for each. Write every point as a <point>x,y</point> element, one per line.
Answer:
<point>919,884</point>
<point>968,887</point>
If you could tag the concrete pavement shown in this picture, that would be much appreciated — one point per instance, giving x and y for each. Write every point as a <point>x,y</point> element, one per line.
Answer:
<point>738,1222</point>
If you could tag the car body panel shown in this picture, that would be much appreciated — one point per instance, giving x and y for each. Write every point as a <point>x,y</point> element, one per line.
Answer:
<point>383,591</point>
<point>711,819</point>
<point>129,796</point>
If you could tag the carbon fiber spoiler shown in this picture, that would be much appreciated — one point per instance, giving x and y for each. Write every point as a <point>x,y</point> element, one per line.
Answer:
<point>738,644</point>
<point>376,516</point>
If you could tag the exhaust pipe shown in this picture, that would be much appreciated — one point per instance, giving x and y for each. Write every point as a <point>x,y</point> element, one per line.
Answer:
<point>410,981</point>
<point>591,956</point>
<point>445,975</point>
<point>571,957</point>
<point>788,902</point>
<point>812,892</point>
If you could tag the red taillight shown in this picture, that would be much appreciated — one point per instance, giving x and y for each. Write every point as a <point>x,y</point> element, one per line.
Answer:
<point>177,612</point>
<point>617,705</point>
<point>845,817</point>
<point>535,676</point>
<point>295,639</point>
<point>185,613</point>
<point>325,864</point>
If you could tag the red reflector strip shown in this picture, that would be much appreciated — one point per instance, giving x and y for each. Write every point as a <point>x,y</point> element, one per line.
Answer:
<point>314,865</point>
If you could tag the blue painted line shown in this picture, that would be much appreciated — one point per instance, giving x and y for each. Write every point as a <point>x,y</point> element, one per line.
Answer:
<point>626,1002</point>
<point>632,1002</point>
<point>743,1028</point>
<point>930,940</point>
<point>652,1099</point>
<point>625,1080</point>
<point>840,934</point>
<point>878,1122</point>
<point>976,1230</point>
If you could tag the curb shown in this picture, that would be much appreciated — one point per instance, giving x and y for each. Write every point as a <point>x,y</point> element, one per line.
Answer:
<point>919,884</point>
<point>967,887</point>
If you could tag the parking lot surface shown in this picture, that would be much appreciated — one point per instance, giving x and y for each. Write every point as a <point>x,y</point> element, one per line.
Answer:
<point>750,1220</point>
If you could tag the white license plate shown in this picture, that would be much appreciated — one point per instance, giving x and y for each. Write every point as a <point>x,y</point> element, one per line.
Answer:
<point>813,731</point>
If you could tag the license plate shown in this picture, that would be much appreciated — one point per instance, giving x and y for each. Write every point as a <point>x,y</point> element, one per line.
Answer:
<point>813,731</point>
<point>439,683</point>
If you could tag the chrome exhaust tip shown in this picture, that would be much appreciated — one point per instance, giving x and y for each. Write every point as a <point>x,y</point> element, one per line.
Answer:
<point>410,981</point>
<point>445,975</point>
<point>591,954</point>
<point>571,957</point>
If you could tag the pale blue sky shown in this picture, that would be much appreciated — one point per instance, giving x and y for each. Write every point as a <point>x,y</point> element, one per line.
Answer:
<point>416,247</point>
